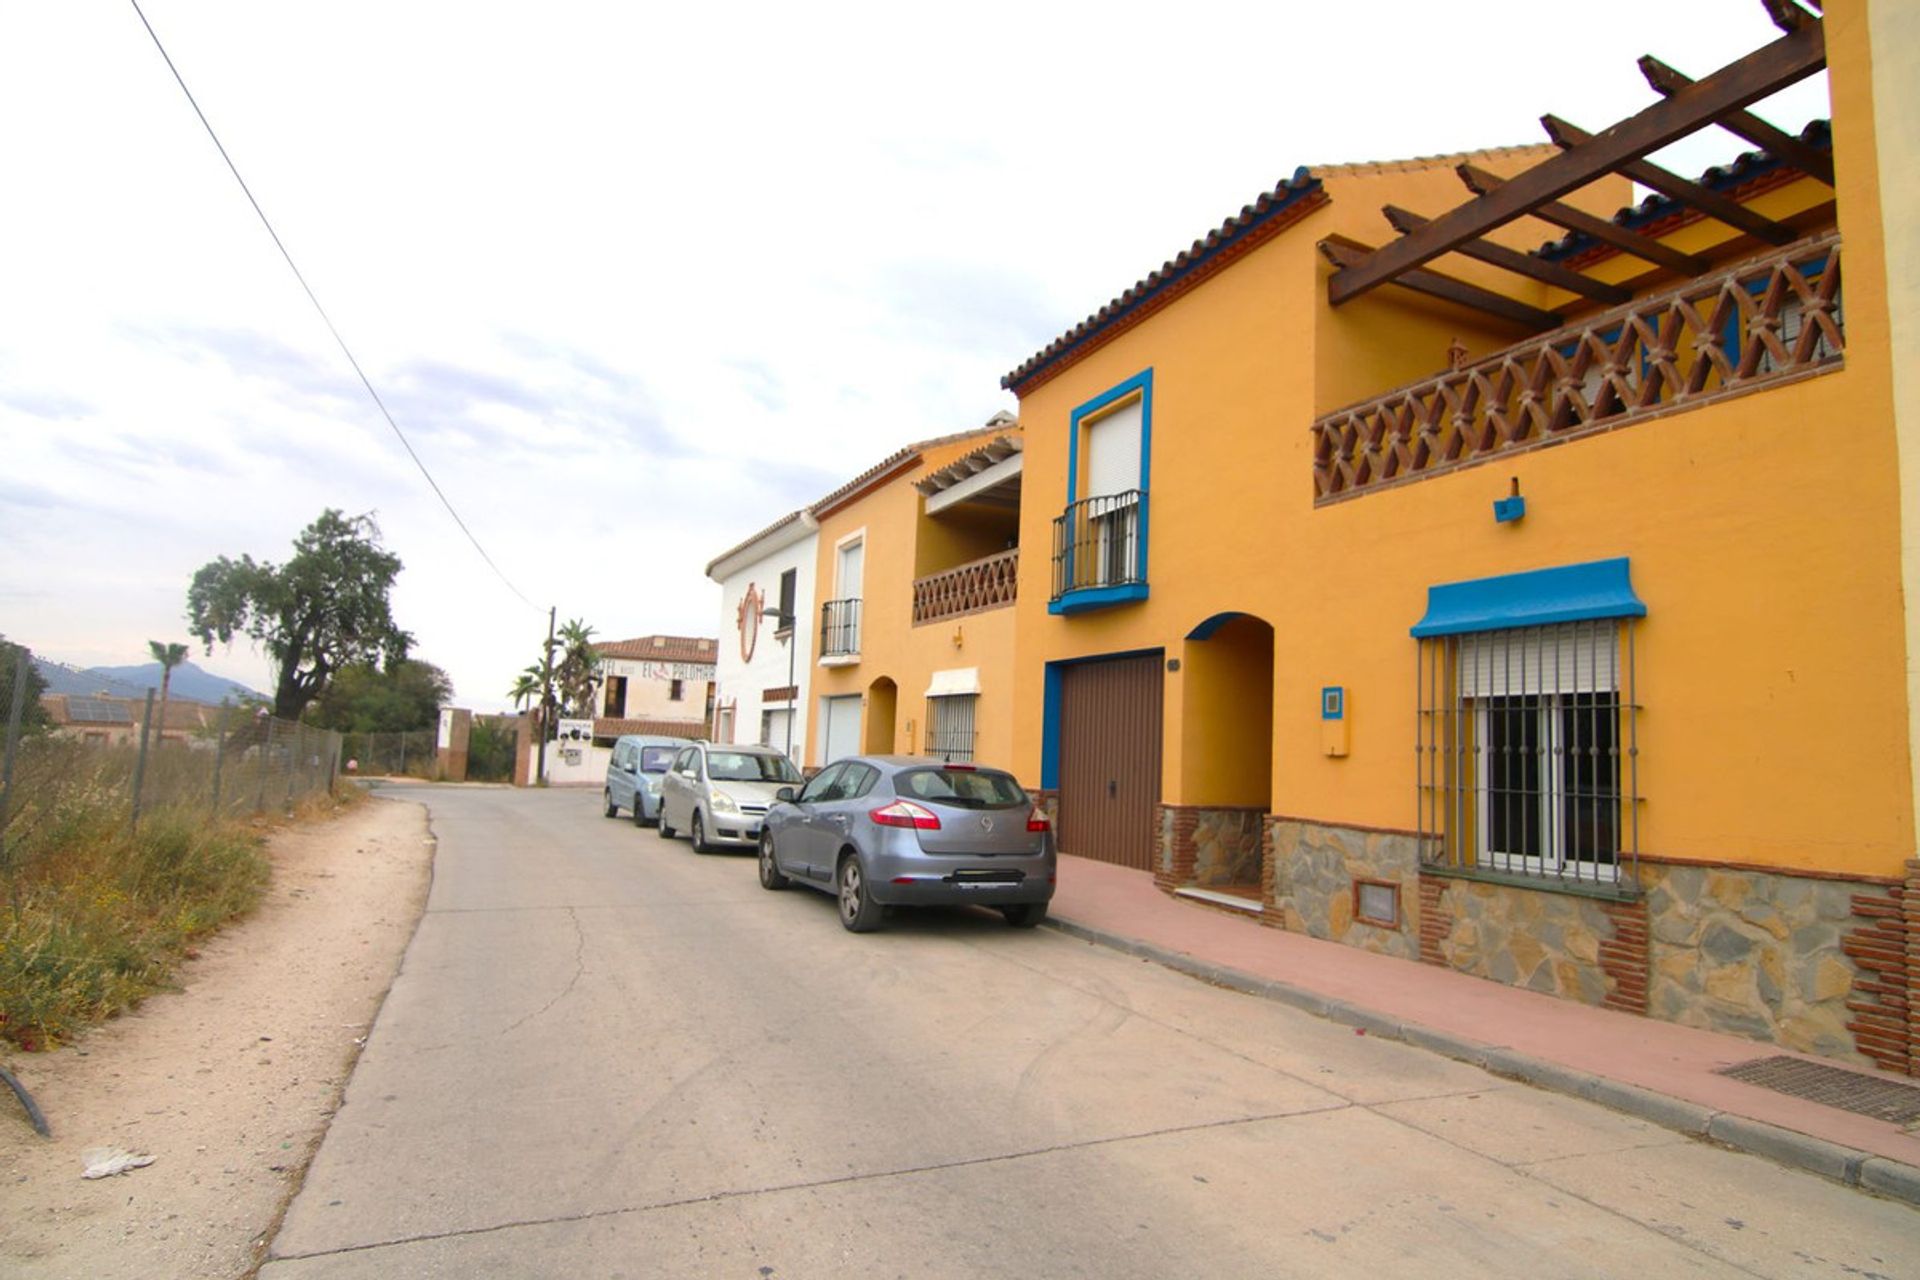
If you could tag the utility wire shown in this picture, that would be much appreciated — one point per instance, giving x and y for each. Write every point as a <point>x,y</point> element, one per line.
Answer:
<point>324,317</point>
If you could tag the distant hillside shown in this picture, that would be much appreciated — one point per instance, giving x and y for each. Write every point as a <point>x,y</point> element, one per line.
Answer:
<point>189,681</point>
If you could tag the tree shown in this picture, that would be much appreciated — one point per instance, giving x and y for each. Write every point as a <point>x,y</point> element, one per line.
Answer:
<point>33,715</point>
<point>169,656</point>
<point>323,610</point>
<point>578,669</point>
<point>527,685</point>
<point>404,696</point>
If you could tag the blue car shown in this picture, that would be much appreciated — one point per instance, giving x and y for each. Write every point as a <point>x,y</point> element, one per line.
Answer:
<point>911,831</point>
<point>639,762</point>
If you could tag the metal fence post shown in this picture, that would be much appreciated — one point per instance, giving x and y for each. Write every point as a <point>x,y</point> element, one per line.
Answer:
<point>266,759</point>
<point>403,751</point>
<point>140,761</point>
<point>14,714</point>
<point>219,763</point>
<point>293,764</point>
<point>333,760</point>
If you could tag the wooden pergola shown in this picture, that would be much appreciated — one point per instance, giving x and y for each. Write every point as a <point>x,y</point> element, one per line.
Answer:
<point>1685,107</point>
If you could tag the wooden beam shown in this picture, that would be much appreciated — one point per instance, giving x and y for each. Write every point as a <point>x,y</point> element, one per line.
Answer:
<point>1480,181</point>
<point>1406,222</point>
<point>1787,15</point>
<point>1345,254</point>
<point>1766,70</point>
<point>1811,161</point>
<point>1669,183</point>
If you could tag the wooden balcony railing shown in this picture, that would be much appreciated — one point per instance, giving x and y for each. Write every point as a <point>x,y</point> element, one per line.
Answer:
<point>1765,321</point>
<point>967,588</point>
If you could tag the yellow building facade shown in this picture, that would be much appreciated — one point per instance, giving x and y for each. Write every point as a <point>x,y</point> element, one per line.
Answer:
<point>1539,612</point>
<point>917,572</point>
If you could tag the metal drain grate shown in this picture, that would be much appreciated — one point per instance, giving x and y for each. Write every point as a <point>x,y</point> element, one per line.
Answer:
<point>1832,1087</point>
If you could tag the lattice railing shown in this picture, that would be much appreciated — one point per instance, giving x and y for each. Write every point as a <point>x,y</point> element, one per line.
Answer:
<point>1760,322</point>
<point>967,588</point>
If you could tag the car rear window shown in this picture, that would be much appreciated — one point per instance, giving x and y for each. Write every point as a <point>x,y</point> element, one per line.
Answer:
<point>656,759</point>
<point>963,788</point>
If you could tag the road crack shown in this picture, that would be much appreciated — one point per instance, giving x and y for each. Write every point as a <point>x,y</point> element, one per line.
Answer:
<point>579,967</point>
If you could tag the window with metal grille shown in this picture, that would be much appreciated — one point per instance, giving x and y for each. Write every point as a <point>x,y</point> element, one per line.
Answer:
<point>950,726</point>
<point>1528,764</point>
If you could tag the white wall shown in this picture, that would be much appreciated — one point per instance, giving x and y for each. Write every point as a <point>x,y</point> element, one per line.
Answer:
<point>590,768</point>
<point>741,678</point>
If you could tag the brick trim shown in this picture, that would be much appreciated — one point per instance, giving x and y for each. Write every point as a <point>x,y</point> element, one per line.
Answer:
<point>1176,854</point>
<point>1881,946</point>
<point>1435,922</point>
<point>1626,958</point>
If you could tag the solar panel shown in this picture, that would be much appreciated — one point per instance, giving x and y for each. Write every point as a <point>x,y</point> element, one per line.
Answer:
<point>98,711</point>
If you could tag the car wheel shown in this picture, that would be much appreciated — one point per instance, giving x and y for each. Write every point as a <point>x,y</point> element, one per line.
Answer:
<point>699,833</point>
<point>660,826</point>
<point>1025,915</point>
<point>858,911</point>
<point>613,810</point>
<point>770,877</point>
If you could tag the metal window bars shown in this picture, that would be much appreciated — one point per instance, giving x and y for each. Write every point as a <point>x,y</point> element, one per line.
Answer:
<point>1097,543</point>
<point>839,628</point>
<point>950,726</point>
<point>1527,755</point>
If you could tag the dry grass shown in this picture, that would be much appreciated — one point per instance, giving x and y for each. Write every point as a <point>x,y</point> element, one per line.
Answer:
<point>94,912</point>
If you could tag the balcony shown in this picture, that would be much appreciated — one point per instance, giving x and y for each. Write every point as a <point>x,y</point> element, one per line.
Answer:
<point>840,631</point>
<point>1099,552</point>
<point>1767,321</point>
<point>987,583</point>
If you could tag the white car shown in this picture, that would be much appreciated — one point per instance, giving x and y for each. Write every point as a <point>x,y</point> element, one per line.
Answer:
<point>719,794</point>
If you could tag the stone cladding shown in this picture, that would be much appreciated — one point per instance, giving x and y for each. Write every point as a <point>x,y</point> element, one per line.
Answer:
<point>1309,882</point>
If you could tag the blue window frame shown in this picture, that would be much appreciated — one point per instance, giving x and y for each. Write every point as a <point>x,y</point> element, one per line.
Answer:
<point>1100,540</point>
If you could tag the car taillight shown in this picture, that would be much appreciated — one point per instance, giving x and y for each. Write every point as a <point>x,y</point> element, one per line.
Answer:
<point>1037,821</point>
<point>905,813</point>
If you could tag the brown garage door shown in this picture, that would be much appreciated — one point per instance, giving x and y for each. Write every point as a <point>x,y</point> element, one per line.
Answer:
<point>1110,759</point>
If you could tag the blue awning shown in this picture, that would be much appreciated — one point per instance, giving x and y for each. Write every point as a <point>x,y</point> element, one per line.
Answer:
<point>1565,593</point>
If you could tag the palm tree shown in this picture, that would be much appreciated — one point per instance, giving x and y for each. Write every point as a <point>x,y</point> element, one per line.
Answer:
<point>168,656</point>
<point>527,685</point>
<point>578,668</point>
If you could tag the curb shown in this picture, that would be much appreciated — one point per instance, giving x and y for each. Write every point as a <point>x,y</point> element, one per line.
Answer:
<point>1849,1166</point>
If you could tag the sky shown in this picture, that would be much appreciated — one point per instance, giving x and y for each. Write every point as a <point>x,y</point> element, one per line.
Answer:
<point>636,280</point>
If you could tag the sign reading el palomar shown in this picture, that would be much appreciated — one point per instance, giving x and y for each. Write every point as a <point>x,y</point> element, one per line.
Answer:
<point>633,669</point>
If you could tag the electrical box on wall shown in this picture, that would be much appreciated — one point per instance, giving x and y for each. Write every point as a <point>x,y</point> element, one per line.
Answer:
<point>1333,720</point>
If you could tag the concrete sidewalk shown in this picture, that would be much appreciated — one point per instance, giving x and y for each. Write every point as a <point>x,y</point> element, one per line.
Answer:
<point>1659,1071</point>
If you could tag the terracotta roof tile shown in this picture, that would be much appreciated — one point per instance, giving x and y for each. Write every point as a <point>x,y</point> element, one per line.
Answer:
<point>661,649</point>
<point>609,727</point>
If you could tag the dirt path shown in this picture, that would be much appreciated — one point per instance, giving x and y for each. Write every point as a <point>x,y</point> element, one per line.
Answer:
<point>228,1083</point>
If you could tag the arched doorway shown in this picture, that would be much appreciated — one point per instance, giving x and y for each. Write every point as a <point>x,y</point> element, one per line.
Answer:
<point>1215,834</point>
<point>882,700</point>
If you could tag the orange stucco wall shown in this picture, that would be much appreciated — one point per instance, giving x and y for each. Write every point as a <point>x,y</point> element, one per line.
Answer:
<point>1763,533</point>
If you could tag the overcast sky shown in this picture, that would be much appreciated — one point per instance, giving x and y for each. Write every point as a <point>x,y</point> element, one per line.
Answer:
<point>636,279</point>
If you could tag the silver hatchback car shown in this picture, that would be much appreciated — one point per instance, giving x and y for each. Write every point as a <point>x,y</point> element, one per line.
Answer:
<point>886,831</point>
<point>718,794</point>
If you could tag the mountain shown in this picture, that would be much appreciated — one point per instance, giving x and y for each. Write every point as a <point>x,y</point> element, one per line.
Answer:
<point>189,681</point>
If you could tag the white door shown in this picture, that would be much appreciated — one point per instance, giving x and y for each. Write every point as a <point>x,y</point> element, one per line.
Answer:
<point>840,728</point>
<point>852,562</point>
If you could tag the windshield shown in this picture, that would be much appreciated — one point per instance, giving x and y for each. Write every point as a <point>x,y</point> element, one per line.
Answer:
<point>750,766</point>
<point>962,788</point>
<point>656,759</point>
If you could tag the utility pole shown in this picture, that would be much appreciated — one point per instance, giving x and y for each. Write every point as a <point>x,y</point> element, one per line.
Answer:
<point>546,697</point>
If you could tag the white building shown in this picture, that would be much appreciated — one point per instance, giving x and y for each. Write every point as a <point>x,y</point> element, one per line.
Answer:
<point>766,625</point>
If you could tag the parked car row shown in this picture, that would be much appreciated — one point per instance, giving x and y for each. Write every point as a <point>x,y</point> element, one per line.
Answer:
<point>876,832</point>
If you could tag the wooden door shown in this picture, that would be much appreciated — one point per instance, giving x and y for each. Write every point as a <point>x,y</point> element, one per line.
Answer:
<point>1110,718</point>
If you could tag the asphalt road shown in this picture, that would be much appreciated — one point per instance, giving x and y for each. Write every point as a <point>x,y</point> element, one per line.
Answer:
<point>608,1056</point>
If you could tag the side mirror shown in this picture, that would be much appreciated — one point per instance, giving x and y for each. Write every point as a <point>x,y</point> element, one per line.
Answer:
<point>784,795</point>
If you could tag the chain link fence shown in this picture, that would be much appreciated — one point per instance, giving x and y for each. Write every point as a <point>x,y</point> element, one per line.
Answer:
<point>240,763</point>
<point>390,755</point>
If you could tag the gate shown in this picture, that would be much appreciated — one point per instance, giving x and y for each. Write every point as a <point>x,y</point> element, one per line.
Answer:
<point>1110,718</point>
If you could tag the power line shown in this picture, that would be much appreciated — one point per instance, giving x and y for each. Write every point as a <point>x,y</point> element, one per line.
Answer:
<point>324,317</point>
